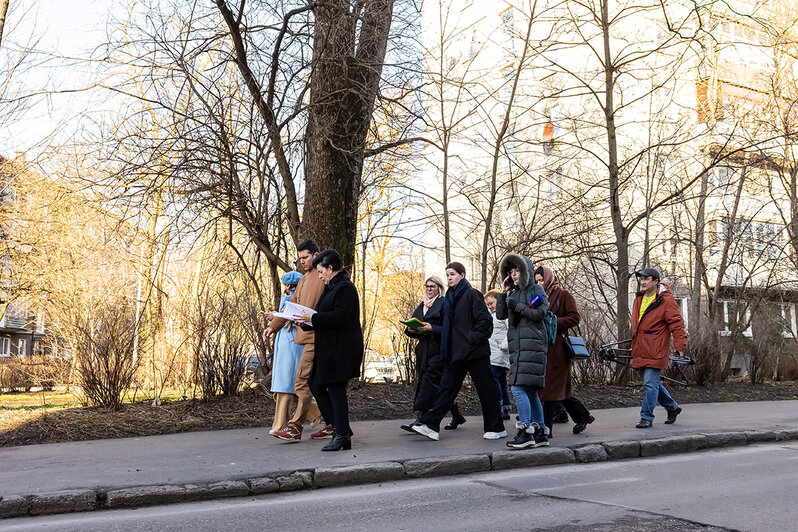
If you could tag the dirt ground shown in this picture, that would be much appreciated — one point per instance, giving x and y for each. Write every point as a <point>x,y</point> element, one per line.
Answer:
<point>254,407</point>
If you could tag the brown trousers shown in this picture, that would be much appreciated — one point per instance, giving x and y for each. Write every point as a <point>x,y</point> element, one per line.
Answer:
<point>306,407</point>
<point>284,404</point>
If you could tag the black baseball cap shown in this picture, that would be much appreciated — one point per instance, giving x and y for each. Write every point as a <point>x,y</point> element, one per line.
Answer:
<point>648,272</point>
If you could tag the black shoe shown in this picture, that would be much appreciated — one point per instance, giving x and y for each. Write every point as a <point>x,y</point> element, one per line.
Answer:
<point>541,440</point>
<point>672,415</point>
<point>454,423</point>
<point>644,424</point>
<point>409,427</point>
<point>580,427</point>
<point>338,443</point>
<point>522,440</point>
<point>560,417</point>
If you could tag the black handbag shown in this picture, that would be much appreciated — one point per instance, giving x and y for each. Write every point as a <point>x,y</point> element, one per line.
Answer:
<point>574,346</point>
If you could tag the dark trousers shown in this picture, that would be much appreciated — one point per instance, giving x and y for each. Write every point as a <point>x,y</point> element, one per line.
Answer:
<point>573,406</point>
<point>334,405</point>
<point>427,387</point>
<point>451,382</point>
<point>500,378</point>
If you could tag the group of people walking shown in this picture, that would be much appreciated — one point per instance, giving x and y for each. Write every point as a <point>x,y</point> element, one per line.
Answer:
<point>331,354</point>
<point>499,339</point>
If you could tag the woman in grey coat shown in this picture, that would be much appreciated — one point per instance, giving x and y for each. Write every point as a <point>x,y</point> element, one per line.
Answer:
<point>524,304</point>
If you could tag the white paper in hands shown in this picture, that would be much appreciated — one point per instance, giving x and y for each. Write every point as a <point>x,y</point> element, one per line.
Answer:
<point>292,309</point>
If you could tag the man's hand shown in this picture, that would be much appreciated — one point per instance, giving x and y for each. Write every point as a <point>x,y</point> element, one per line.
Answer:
<point>269,315</point>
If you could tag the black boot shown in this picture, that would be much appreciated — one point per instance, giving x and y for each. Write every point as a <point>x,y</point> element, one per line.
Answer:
<point>339,443</point>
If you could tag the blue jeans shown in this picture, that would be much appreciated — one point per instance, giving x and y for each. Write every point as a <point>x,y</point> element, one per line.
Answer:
<point>500,378</point>
<point>653,392</point>
<point>528,405</point>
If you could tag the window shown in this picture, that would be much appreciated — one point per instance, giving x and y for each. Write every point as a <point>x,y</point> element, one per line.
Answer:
<point>788,320</point>
<point>735,316</point>
<point>22,345</point>
<point>5,347</point>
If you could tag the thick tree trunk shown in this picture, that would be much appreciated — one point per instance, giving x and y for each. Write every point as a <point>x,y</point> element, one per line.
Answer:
<point>348,52</point>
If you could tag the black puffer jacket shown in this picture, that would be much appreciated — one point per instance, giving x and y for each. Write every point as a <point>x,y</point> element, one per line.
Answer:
<point>526,334</point>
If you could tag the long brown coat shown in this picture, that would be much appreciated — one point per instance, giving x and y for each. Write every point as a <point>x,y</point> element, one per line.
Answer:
<point>558,366</point>
<point>651,335</point>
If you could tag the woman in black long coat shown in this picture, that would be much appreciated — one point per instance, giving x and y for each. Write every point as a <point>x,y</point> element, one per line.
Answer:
<point>339,345</point>
<point>429,362</point>
<point>466,329</point>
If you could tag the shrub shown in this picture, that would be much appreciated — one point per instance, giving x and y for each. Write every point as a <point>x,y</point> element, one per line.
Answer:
<point>103,341</point>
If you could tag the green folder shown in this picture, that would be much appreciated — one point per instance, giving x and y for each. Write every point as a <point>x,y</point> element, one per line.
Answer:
<point>414,323</point>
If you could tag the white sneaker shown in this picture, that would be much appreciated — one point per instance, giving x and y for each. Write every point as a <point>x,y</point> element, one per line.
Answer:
<point>426,431</point>
<point>495,435</point>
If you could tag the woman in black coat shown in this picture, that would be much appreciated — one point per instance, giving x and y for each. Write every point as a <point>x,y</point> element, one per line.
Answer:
<point>467,326</point>
<point>429,362</point>
<point>339,345</point>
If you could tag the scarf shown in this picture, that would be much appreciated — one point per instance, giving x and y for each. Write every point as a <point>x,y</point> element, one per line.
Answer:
<point>552,287</point>
<point>449,301</point>
<point>427,304</point>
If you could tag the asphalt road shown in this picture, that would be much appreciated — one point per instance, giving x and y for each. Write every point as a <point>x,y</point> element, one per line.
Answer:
<point>738,488</point>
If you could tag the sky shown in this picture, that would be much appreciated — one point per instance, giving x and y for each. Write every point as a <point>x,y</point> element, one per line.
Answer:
<point>59,31</point>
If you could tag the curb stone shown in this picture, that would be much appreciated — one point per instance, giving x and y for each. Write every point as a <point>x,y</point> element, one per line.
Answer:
<point>358,474</point>
<point>725,439</point>
<point>672,444</point>
<point>447,465</point>
<point>618,450</point>
<point>790,434</point>
<point>755,436</point>
<point>261,485</point>
<point>14,506</point>
<point>590,453</point>
<point>534,457</point>
<point>84,500</point>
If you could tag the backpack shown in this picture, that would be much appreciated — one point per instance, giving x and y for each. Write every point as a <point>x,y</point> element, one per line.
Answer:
<point>550,321</point>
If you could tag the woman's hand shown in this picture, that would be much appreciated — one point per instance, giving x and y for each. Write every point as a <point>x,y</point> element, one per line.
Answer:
<point>508,284</point>
<point>303,317</point>
<point>425,328</point>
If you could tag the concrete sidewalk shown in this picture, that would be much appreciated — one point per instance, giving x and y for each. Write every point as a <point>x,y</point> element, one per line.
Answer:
<point>90,475</point>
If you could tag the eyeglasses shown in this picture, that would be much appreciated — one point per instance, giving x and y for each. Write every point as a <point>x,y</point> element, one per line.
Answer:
<point>431,287</point>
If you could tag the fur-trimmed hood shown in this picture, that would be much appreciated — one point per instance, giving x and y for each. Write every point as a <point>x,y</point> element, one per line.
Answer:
<point>524,265</point>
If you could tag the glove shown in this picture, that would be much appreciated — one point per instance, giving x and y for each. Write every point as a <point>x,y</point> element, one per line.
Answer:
<point>512,303</point>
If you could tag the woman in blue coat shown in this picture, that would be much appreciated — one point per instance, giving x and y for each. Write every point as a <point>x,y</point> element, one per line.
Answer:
<point>286,360</point>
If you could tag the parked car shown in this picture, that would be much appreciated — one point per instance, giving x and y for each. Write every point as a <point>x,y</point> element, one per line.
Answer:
<point>382,369</point>
<point>253,370</point>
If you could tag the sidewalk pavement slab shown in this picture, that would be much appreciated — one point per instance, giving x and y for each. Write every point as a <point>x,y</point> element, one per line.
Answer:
<point>221,463</point>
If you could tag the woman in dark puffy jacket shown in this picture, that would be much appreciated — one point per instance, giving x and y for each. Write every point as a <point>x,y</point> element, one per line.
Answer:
<point>524,304</point>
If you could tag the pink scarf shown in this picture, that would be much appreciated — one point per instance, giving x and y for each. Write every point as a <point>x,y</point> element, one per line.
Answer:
<point>427,304</point>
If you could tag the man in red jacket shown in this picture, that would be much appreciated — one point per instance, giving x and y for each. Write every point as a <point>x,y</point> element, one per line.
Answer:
<point>655,318</point>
